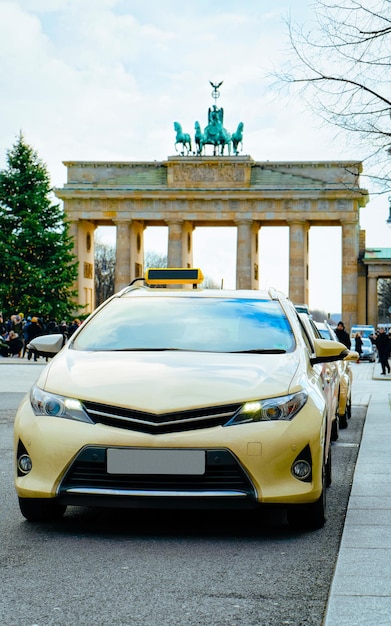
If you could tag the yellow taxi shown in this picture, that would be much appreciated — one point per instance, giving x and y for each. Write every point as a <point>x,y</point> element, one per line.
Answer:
<point>345,375</point>
<point>172,396</point>
<point>329,372</point>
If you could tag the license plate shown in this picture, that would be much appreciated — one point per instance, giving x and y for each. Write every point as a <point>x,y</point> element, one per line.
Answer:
<point>125,461</point>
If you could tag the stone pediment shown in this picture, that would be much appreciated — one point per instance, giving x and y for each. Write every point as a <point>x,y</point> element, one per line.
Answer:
<point>214,172</point>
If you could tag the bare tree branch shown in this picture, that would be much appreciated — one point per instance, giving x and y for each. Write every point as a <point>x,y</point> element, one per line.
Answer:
<point>340,62</point>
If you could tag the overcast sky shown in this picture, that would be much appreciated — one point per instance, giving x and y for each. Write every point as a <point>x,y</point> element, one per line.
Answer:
<point>106,79</point>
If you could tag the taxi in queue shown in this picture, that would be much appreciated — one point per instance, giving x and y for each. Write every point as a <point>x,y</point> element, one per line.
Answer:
<point>170,395</point>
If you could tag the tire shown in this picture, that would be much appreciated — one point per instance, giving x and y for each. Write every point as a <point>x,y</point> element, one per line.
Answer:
<point>329,470</point>
<point>311,516</point>
<point>41,509</point>
<point>335,429</point>
<point>308,516</point>
<point>349,408</point>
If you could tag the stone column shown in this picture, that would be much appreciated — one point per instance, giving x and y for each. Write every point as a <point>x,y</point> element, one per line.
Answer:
<point>187,244</point>
<point>372,300</point>
<point>122,256</point>
<point>175,243</point>
<point>87,254</point>
<point>136,249</point>
<point>298,261</point>
<point>350,250</point>
<point>255,228</point>
<point>82,232</point>
<point>362,311</point>
<point>244,254</point>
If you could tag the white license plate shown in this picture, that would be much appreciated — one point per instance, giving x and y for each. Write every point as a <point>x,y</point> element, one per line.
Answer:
<point>125,461</point>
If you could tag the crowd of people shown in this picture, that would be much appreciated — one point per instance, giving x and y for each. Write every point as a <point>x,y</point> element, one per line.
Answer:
<point>17,331</point>
<point>380,339</point>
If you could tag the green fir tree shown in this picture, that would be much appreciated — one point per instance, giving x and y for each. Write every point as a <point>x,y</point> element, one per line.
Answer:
<point>37,266</point>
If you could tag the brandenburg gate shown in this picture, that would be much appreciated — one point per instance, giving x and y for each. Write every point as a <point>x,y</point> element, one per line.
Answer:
<point>194,190</point>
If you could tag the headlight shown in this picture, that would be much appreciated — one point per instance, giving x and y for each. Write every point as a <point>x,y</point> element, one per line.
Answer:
<point>272,409</point>
<point>49,404</point>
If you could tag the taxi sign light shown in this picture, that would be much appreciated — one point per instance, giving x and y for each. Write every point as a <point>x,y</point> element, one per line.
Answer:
<point>173,276</point>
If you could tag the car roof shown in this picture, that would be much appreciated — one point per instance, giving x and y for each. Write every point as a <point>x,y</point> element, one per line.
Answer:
<point>158,282</point>
<point>252,294</point>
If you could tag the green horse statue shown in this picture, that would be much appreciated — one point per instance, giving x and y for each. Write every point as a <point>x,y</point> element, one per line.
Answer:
<point>237,138</point>
<point>199,138</point>
<point>182,138</point>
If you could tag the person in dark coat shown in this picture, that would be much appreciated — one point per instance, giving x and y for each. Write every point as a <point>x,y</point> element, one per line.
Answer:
<point>33,331</point>
<point>358,345</point>
<point>15,344</point>
<point>383,348</point>
<point>342,335</point>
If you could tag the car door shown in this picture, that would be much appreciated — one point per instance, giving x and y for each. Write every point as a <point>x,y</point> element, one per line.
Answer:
<point>329,372</point>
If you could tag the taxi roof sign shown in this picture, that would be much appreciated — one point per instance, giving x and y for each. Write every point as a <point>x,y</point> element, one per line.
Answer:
<point>173,276</point>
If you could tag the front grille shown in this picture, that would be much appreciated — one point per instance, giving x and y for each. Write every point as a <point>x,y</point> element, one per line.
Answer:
<point>154,424</point>
<point>223,473</point>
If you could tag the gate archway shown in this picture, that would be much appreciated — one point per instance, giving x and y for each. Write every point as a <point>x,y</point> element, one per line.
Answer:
<point>184,193</point>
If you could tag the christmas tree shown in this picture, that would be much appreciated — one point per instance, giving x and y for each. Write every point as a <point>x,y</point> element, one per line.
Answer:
<point>37,266</point>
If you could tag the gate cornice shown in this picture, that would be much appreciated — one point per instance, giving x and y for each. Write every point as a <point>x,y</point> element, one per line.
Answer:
<point>319,189</point>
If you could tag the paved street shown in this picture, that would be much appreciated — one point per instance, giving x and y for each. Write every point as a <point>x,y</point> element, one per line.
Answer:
<point>125,568</point>
<point>17,375</point>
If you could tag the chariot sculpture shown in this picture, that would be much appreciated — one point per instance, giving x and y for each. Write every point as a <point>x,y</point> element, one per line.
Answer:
<point>214,133</point>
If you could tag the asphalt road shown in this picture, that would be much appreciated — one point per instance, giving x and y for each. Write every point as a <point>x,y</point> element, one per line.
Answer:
<point>100,567</point>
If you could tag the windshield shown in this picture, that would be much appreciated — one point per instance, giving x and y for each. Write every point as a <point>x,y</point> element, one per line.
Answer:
<point>180,323</point>
<point>327,333</point>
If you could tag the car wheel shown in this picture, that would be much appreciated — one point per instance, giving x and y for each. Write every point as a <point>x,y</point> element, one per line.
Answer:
<point>41,509</point>
<point>349,408</point>
<point>328,470</point>
<point>310,516</point>
<point>335,428</point>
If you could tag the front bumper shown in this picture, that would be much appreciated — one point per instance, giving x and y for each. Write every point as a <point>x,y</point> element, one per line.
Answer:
<point>246,465</point>
<point>224,483</point>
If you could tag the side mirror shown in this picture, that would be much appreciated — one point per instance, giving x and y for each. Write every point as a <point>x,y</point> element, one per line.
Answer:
<point>47,345</point>
<point>327,351</point>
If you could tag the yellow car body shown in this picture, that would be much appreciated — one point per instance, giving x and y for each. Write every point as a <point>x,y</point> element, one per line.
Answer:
<point>143,412</point>
<point>345,375</point>
<point>329,372</point>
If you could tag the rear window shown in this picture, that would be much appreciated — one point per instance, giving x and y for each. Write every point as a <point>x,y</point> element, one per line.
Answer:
<point>180,323</point>
<point>364,330</point>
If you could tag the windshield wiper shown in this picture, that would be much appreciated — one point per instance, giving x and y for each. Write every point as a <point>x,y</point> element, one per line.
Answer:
<point>254,351</point>
<point>142,349</point>
<point>261,351</point>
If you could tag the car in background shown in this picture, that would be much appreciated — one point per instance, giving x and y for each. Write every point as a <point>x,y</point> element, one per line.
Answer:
<point>179,398</point>
<point>369,351</point>
<point>344,411</point>
<point>302,308</point>
<point>329,373</point>
<point>365,330</point>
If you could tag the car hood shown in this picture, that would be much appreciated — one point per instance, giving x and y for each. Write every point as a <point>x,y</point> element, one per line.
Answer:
<point>168,381</point>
